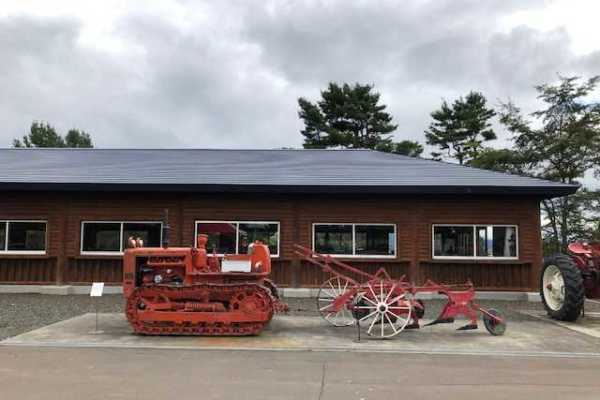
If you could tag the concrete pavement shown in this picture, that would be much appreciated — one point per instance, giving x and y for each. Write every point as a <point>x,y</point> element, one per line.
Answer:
<point>525,336</point>
<point>93,373</point>
<point>301,357</point>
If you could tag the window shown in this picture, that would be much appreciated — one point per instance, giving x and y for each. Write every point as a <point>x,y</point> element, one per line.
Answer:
<point>111,237</point>
<point>355,240</point>
<point>23,237</point>
<point>496,241</point>
<point>475,241</point>
<point>453,241</point>
<point>234,237</point>
<point>333,239</point>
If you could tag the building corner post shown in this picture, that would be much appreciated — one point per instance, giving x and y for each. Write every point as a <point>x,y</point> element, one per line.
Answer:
<point>538,256</point>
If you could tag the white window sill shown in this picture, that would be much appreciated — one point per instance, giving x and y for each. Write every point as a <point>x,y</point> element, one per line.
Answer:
<point>101,253</point>
<point>23,252</point>
<point>476,258</point>
<point>117,253</point>
<point>232,254</point>
<point>358,256</point>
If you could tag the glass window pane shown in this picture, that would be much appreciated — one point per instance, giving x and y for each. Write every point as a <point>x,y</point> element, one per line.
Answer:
<point>2,236</point>
<point>484,241</point>
<point>375,240</point>
<point>505,241</point>
<point>29,236</point>
<point>221,236</point>
<point>453,241</point>
<point>148,232</point>
<point>333,239</point>
<point>101,236</point>
<point>266,233</point>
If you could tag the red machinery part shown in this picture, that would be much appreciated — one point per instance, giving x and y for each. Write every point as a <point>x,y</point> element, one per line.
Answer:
<point>566,280</point>
<point>387,306</point>
<point>182,291</point>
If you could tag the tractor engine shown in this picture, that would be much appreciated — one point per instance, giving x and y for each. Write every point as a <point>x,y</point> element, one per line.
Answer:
<point>186,291</point>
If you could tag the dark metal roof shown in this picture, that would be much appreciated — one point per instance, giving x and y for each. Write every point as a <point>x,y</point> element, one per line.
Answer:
<point>342,171</point>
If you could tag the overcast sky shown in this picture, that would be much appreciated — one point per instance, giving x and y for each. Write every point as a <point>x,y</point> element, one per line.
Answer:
<point>228,74</point>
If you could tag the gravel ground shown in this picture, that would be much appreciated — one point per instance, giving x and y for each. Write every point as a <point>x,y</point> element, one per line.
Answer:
<point>24,312</point>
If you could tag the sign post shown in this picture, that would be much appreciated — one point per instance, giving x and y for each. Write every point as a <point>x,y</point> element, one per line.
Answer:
<point>97,290</point>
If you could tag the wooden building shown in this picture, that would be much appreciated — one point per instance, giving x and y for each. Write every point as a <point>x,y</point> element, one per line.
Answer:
<point>65,214</point>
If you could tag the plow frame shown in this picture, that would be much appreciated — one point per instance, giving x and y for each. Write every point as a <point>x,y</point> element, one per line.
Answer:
<point>382,300</point>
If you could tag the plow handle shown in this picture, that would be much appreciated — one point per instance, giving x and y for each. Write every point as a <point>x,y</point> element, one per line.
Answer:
<point>326,262</point>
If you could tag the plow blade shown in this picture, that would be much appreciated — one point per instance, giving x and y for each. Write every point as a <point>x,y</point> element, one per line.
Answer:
<point>468,327</point>
<point>441,321</point>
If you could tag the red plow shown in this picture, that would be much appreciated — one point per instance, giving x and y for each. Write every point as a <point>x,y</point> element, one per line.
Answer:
<point>385,306</point>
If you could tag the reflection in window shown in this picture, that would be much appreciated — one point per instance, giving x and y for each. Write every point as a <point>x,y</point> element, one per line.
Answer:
<point>496,241</point>
<point>453,241</point>
<point>250,232</point>
<point>23,236</point>
<point>150,233</point>
<point>355,239</point>
<point>375,240</point>
<point>333,239</point>
<point>101,237</point>
<point>221,236</point>
<point>490,241</point>
<point>112,237</point>
<point>232,237</point>
<point>2,236</point>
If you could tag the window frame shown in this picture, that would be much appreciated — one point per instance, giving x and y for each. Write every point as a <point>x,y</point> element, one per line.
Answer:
<point>122,223</point>
<point>237,232</point>
<point>4,250</point>
<point>475,256</point>
<point>354,225</point>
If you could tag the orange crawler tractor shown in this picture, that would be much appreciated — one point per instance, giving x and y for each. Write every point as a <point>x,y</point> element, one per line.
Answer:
<point>185,291</point>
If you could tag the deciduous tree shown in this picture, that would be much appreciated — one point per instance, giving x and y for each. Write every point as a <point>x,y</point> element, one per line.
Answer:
<point>562,145</point>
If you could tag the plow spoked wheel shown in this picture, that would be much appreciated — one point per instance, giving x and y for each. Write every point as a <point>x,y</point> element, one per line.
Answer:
<point>494,327</point>
<point>328,292</point>
<point>387,310</point>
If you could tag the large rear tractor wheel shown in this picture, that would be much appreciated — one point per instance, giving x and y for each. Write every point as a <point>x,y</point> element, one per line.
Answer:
<point>561,288</point>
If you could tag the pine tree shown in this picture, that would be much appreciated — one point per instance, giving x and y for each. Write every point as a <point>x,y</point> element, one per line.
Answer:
<point>42,134</point>
<point>350,117</point>
<point>459,130</point>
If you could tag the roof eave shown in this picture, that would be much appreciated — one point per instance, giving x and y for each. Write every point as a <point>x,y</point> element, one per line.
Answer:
<point>541,191</point>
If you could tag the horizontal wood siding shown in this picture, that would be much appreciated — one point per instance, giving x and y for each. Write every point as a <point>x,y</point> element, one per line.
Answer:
<point>28,270</point>
<point>412,215</point>
<point>282,272</point>
<point>86,270</point>
<point>489,276</point>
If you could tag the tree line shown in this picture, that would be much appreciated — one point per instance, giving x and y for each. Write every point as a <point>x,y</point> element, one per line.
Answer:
<point>559,142</point>
<point>42,134</point>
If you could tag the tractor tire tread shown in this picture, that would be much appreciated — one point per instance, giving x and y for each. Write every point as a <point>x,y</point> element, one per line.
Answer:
<point>574,289</point>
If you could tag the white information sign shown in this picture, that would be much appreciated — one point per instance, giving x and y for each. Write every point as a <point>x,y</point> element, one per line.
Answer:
<point>97,289</point>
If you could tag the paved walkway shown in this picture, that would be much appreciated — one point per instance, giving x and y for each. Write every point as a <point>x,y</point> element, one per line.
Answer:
<point>99,374</point>
<point>301,357</point>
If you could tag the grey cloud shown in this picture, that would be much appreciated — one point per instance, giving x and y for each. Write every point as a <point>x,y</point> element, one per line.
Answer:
<point>47,75</point>
<point>231,78</point>
<point>524,57</point>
